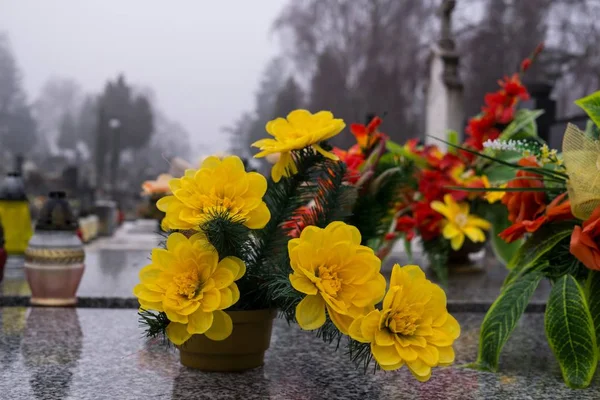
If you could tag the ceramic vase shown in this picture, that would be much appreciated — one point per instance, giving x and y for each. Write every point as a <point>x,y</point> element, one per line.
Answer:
<point>54,260</point>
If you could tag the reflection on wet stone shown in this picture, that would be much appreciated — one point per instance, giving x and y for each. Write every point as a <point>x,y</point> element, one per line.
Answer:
<point>12,322</point>
<point>51,349</point>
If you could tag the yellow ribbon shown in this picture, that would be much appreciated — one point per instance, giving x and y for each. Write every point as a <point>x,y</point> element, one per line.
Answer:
<point>582,160</point>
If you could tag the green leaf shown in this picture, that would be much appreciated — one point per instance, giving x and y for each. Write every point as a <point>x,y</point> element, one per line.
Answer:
<point>570,331</point>
<point>394,147</point>
<point>592,130</point>
<point>593,296</point>
<point>522,126</point>
<point>532,251</point>
<point>453,138</point>
<point>591,105</point>
<point>498,216</point>
<point>501,319</point>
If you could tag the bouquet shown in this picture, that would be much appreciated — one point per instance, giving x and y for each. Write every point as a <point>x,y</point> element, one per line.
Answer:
<point>230,250</point>
<point>154,191</point>
<point>553,203</point>
<point>440,200</point>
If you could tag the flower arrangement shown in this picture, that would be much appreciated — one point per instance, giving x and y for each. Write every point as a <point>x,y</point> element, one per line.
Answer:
<point>429,198</point>
<point>154,191</point>
<point>553,203</point>
<point>231,250</point>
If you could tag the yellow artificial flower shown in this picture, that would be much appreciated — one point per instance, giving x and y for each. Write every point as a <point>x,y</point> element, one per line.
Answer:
<point>218,186</point>
<point>493,197</point>
<point>413,327</point>
<point>299,130</point>
<point>336,273</point>
<point>189,283</point>
<point>459,223</point>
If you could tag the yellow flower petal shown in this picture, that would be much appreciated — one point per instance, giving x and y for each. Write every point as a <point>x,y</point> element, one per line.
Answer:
<point>258,217</point>
<point>406,353</point>
<point>310,312</point>
<point>199,322</point>
<point>385,355</point>
<point>341,321</point>
<point>354,331</point>
<point>446,355</point>
<point>474,234</point>
<point>226,298</point>
<point>370,325</point>
<point>221,327</point>
<point>223,277</point>
<point>450,231</point>
<point>324,153</point>
<point>174,316</point>
<point>177,333</point>
<point>457,241</point>
<point>383,337</point>
<point>211,300</point>
<point>235,265</point>
<point>302,284</point>
<point>235,293</point>
<point>420,370</point>
<point>429,355</point>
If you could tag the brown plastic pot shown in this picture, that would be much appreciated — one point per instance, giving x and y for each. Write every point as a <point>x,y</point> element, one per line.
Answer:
<point>243,350</point>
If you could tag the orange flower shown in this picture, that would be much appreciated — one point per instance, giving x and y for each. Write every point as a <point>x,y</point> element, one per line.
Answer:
<point>584,242</point>
<point>556,211</point>
<point>525,205</point>
<point>366,136</point>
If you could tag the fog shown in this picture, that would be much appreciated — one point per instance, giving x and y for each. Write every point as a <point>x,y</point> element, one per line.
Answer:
<point>201,58</point>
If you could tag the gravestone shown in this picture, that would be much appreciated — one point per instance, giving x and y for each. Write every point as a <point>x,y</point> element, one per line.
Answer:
<point>445,108</point>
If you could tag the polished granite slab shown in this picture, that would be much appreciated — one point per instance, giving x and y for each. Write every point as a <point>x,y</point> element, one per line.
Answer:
<point>69,353</point>
<point>111,273</point>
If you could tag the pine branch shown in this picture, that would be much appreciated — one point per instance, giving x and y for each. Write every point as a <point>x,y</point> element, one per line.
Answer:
<point>226,233</point>
<point>155,323</point>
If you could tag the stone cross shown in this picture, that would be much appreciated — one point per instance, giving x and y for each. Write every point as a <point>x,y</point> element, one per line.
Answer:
<point>445,108</point>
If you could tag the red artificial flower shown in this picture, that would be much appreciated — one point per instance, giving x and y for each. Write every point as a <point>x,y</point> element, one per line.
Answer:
<point>525,205</point>
<point>557,210</point>
<point>514,88</point>
<point>584,241</point>
<point>525,64</point>
<point>366,136</point>
<point>353,158</point>
<point>428,220</point>
<point>406,225</point>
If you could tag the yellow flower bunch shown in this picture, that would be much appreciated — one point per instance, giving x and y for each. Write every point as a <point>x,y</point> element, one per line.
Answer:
<point>413,328</point>
<point>219,186</point>
<point>299,130</point>
<point>189,283</point>
<point>336,273</point>
<point>459,223</point>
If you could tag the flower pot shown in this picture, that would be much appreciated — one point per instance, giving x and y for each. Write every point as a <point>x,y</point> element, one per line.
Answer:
<point>244,349</point>
<point>460,261</point>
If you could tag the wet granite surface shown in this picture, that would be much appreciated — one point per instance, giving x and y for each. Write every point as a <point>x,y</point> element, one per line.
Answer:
<point>69,353</point>
<point>111,273</point>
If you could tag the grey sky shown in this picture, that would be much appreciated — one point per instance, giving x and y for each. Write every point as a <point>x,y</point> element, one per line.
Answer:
<point>202,58</point>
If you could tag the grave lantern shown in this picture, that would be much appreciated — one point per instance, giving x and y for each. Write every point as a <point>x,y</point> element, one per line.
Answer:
<point>14,213</point>
<point>54,259</point>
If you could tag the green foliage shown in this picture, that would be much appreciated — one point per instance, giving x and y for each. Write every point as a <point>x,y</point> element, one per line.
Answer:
<point>593,299</point>
<point>530,256</point>
<point>360,354</point>
<point>227,235</point>
<point>438,252</point>
<point>497,214</point>
<point>371,214</point>
<point>523,125</point>
<point>501,319</point>
<point>592,130</point>
<point>591,105</point>
<point>570,331</point>
<point>155,323</point>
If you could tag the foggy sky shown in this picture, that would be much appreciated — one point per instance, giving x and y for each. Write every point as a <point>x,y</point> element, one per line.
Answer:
<point>202,58</point>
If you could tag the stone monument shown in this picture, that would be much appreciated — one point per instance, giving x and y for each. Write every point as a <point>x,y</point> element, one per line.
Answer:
<point>445,108</point>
